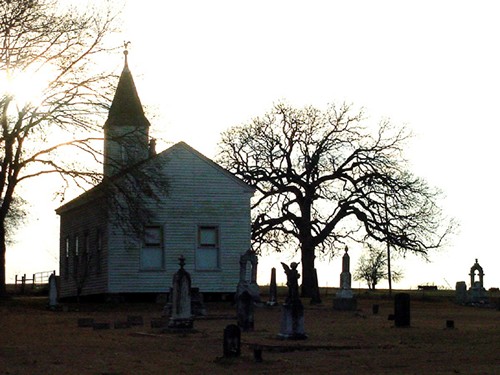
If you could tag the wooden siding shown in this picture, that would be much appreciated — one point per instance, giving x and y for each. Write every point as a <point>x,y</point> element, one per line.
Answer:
<point>85,220</point>
<point>199,194</point>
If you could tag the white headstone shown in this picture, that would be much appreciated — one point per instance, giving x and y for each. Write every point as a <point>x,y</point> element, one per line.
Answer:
<point>52,291</point>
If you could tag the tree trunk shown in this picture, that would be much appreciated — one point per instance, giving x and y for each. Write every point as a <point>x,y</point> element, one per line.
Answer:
<point>3,249</point>
<point>309,283</point>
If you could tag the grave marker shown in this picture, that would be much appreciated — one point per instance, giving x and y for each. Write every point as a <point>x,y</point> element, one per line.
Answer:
<point>344,299</point>
<point>53,294</point>
<point>181,299</point>
<point>292,317</point>
<point>273,289</point>
<point>232,341</point>
<point>402,310</point>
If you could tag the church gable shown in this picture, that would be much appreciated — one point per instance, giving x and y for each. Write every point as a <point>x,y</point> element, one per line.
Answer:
<point>181,161</point>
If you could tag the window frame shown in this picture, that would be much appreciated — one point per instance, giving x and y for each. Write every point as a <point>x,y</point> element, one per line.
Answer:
<point>147,246</point>
<point>76,254</point>
<point>206,246</point>
<point>98,250</point>
<point>67,250</point>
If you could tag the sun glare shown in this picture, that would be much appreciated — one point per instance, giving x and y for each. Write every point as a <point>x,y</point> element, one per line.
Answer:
<point>26,87</point>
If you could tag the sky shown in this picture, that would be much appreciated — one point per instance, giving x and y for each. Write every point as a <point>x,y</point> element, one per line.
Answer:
<point>201,67</point>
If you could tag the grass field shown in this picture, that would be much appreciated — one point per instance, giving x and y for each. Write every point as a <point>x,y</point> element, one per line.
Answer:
<point>34,340</point>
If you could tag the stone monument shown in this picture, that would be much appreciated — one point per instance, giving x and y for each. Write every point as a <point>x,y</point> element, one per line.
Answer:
<point>477,293</point>
<point>461,292</point>
<point>247,293</point>
<point>292,317</point>
<point>232,341</point>
<point>245,311</point>
<point>345,299</point>
<point>402,310</point>
<point>181,317</point>
<point>53,295</point>
<point>248,282</point>
<point>273,289</point>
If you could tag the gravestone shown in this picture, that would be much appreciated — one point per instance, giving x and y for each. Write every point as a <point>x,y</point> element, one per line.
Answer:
<point>248,282</point>
<point>158,322</point>
<point>135,320</point>
<point>101,326</point>
<point>345,299</point>
<point>247,292</point>
<point>197,303</point>
<point>245,313</point>
<point>477,294</point>
<point>316,298</point>
<point>53,295</point>
<point>232,341</point>
<point>85,322</point>
<point>402,310</point>
<point>292,316</point>
<point>461,293</point>
<point>273,289</point>
<point>121,324</point>
<point>181,317</point>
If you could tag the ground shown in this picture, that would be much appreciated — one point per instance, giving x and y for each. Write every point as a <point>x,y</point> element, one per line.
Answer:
<point>35,340</point>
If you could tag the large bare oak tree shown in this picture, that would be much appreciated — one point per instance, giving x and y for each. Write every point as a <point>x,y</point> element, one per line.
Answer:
<point>41,135</point>
<point>324,178</point>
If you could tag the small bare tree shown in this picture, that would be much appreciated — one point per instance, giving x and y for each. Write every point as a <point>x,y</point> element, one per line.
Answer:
<point>372,267</point>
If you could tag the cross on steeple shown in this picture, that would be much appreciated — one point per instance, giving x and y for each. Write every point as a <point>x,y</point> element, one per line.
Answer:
<point>125,50</point>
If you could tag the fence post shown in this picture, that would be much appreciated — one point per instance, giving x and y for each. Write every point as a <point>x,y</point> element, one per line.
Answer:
<point>23,283</point>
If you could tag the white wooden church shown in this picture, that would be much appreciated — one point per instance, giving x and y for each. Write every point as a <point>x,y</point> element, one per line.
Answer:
<point>205,216</point>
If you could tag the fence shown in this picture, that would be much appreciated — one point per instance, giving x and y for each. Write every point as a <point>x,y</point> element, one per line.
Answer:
<point>38,278</point>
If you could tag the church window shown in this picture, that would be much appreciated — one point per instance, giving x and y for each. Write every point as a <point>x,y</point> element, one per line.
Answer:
<point>207,252</point>
<point>98,251</point>
<point>66,256</point>
<point>152,249</point>
<point>76,259</point>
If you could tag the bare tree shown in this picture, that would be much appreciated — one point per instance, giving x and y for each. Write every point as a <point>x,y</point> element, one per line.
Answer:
<point>373,267</point>
<point>323,179</point>
<point>62,45</point>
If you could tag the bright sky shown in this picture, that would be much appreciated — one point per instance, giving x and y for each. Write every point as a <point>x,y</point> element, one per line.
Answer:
<point>203,66</point>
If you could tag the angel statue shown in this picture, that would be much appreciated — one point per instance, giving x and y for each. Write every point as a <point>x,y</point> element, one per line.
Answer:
<point>292,280</point>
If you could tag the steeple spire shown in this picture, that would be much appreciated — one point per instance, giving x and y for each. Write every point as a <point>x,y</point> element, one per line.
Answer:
<point>126,131</point>
<point>126,108</point>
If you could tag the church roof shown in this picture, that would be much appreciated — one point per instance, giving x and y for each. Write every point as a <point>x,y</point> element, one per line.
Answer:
<point>99,189</point>
<point>126,108</point>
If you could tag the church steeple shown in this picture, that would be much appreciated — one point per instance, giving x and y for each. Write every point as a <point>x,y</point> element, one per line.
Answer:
<point>126,130</point>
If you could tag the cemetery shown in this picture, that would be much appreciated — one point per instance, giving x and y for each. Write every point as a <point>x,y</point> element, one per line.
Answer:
<point>264,329</point>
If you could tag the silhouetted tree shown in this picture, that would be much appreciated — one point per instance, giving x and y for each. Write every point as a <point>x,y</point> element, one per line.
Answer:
<point>372,267</point>
<point>41,38</point>
<point>323,178</point>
